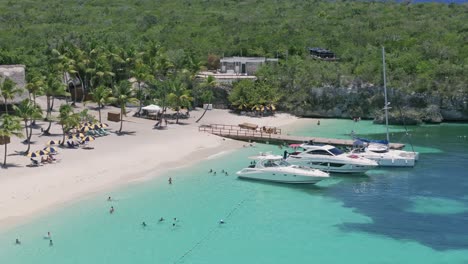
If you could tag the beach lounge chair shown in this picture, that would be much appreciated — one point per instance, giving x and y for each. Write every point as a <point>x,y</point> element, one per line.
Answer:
<point>102,132</point>
<point>71,144</point>
<point>34,163</point>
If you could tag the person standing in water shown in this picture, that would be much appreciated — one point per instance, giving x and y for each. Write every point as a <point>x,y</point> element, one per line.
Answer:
<point>111,211</point>
<point>51,243</point>
<point>170,180</point>
<point>18,242</point>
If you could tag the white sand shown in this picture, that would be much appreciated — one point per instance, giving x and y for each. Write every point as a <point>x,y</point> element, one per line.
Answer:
<point>116,160</point>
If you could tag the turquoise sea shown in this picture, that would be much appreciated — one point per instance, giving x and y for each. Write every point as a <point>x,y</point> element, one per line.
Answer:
<point>413,215</point>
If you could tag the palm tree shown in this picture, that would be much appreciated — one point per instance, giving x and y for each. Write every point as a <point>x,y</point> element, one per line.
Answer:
<point>53,87</point>
<point>207,94</point>
<point>141,73</point>
<point>179,96</point>
<point>101,96</point>
<point>67,119</point>
<point>123,95</point>
<point>28,111</point>
<point>66,65</point>
<point>35,85</point>
<point>8,90</point>
<point>10,126</point>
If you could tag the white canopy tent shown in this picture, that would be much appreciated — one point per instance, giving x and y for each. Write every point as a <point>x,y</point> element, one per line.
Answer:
<point>152,108</point>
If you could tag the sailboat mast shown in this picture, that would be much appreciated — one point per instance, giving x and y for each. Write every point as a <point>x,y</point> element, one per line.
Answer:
<point>385,92</point>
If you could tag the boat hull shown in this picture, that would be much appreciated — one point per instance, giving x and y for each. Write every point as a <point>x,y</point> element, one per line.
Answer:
<point>334,166</point>
<point>391,159</point>
<point>278,177</point>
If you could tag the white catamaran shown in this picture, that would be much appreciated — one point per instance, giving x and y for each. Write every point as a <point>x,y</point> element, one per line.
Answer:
<point>379,150</point>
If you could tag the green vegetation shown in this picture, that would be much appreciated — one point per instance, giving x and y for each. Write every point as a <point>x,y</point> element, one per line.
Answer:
<point>10,126</point>
<point>103,42</point>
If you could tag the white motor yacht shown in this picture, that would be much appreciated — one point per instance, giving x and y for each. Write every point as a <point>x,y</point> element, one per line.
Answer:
<point>331,159</point>
<point>387,157</point>
<point>274,168</point>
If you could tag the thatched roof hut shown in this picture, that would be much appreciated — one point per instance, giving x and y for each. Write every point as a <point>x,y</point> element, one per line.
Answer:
<point>17,74</point>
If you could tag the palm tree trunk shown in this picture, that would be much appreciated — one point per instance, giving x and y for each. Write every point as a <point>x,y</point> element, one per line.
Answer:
<point>4,158</point>
<point>6,105</point>
<point>141,104</point>
<point>204,112</point>
<point>26,127</point>
<point>65,75</point>
<point>63,139</point>
<point>121,119</point>
<point>99,110</point>
<point>177,118</point>
<point>83,87</point>
<point>74,92</point>
<point>29,138</point>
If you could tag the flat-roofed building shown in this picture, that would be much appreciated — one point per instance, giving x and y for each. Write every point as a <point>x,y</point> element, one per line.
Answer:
<point>243,65</point>
<point>323,54</point>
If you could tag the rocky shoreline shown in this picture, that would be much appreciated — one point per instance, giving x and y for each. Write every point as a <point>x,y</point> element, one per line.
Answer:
<point>367,103</point>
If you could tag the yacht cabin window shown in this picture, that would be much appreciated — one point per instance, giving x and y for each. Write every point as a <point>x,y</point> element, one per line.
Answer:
<point>319,152</point>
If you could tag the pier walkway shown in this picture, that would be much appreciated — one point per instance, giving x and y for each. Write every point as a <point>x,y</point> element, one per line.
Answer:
<point>273,135</point>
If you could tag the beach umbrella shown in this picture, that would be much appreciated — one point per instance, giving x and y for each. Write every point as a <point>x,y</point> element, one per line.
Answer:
<point>33,155</point>
<point>42,152</point>
<point>85,129</point>
<point>88,139</point>
<point>53,142</point>
<point>87,124</point>
<point>50,149</point>
<point>96,127</point>
<point>79,135</point>
<point>74,137</point>
<point>103,125</point>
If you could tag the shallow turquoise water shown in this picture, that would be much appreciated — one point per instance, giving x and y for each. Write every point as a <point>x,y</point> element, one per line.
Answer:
<point>390,216</point>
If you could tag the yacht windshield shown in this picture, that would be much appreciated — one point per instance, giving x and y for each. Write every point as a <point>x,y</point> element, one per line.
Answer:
<point>282,163</point>
<point>336,151</point>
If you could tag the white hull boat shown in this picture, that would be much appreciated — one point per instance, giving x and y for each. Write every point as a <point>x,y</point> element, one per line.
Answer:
<point>381,152</point>
<point>330,159</point>
<point>386,157</point>
<point>273,168</point>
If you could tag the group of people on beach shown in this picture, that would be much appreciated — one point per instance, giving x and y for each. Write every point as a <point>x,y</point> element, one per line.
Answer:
<point>45,159</point>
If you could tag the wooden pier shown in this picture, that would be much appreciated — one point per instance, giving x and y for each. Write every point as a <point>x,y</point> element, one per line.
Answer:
<point>273,135</point>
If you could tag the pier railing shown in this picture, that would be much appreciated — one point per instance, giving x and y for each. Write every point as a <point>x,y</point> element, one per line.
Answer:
<point>273,134</point>
<point>233,130</point>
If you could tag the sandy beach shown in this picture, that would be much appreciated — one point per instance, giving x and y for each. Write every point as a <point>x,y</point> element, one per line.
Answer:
<point>116,160</point>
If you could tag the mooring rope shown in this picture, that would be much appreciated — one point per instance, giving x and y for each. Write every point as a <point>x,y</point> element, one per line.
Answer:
<point>208,235</point>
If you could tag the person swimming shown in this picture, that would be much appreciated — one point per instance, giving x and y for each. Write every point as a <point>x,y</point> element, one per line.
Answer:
<point>161,219</point>
<point>109,199</point>
<point>211,170</point>
<point>51,243</point>
<point>18,242</point>
<point>226,173</point>
<point>221,222</point>
<point>143,224</point>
